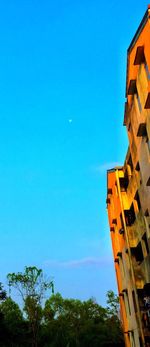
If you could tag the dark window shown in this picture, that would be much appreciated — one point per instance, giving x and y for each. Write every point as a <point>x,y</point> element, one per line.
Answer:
<point>130,216</point>
<point>137,167</point>
<point>137,253</point>
<point>123,183</point>
<point>139,56</point>
<point>140,341</point>
<point>121,230</point>
<point>148,182</point>
<point>144,238</point>
<point>146,214</point>
<point>147,103</point>
<point>148,144</point>
<point>130,163</point>
<point>121,220</point>
<point>138,200</point>
<point>132,87</point>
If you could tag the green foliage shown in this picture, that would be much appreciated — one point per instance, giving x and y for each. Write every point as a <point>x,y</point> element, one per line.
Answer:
<point>80,324</point>
<point>30,283</point>
<point>11,311</point>
<point>12,325</point>
<point>61,322</point>
<point>33,309</point>
<point>32,287</point>
<point>2,293</point>
<point>113,303</point>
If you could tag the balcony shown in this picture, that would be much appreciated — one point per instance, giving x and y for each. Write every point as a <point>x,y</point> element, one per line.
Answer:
<point>139,276</point>
<point>121,231</point>
<point>130,216</point>
<point>133,150</point>
<point>136,229</point>
<point>144,308</point>
<point>142,272</point>
<point>116,261</point>
<point>132,87</point>
<point>124,181</point>
<point>140,56</point>
<point>139,89</point>
<point>147,103</point>
<point>138,119</point>
<point>132,187</point>
<point>133,236</point>
<point>146,324</point>
<point>109,191</point>
<point>142,83</point>
<point>142,130</point>
<point>114,221</point>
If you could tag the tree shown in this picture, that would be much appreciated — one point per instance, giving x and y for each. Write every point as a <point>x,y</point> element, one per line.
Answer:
<point>113,303</point>
<point>2,293</point>
<point>32,287</point>
<point>113,321</point>
<point>12,329</point>
<point>73,323</point>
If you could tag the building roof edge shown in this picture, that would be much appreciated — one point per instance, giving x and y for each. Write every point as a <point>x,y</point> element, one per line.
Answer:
<point>139,29</point>
<point>135,38</point>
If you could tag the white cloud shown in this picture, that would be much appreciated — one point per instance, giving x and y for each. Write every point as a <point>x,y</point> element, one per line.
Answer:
<point>79,263</point>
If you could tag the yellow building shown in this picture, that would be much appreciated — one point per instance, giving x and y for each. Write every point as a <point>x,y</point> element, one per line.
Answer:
<point>128,196</point>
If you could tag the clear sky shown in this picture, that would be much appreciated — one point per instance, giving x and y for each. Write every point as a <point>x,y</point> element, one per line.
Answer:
<point>62,93</point>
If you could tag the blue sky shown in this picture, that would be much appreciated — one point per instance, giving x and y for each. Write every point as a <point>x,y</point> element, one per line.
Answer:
<point>60,61</point>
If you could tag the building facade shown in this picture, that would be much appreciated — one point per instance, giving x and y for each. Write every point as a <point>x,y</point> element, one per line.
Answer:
<point>128,196</point>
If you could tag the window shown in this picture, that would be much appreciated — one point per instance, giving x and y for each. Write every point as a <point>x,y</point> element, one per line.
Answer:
<point>148,144</point>
<point>146,214</point>
<point>121,220</point>
<point>130,216</point>
<point>138,200</point>
<point>148,182</point>
<point>123,183</point>
<point>139,56</point>
<point>145,244</point>
<point>137,166</point>
<point>140,341</point>
<point>132,87</point>
<point>130,162</point>
<point>137,253</point>
<point>147,103</point>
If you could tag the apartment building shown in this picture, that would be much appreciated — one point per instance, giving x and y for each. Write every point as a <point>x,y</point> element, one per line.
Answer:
<point>128,196</point>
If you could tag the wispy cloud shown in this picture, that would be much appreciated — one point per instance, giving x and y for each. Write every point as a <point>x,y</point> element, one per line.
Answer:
<point>102,168</point>
<point>79,263</point>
